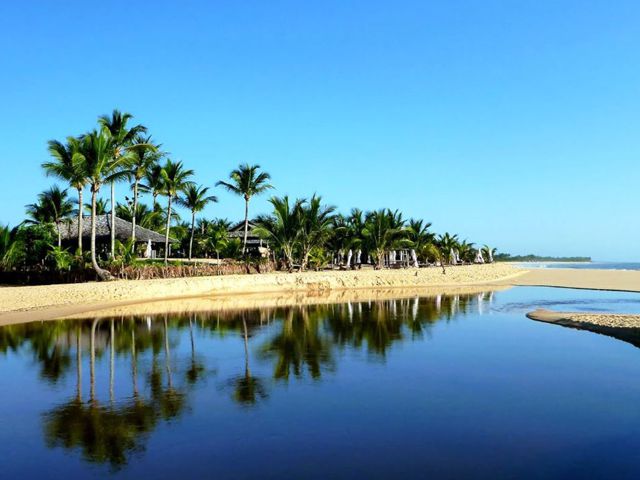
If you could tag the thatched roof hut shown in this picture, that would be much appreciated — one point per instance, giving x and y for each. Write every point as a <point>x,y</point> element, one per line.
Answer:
<point>69,230</point>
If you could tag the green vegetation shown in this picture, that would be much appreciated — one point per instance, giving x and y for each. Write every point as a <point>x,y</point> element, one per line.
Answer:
<point>506,257</point>
<point>300,233</point>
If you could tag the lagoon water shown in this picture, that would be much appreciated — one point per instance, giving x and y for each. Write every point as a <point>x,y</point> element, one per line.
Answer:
<point>439,387</point>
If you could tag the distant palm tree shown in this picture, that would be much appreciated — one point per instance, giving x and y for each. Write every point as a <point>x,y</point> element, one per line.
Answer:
<point>97,152</point>
<point>175,180</point>
<point>195,199</point>
<point>144,156</point>
<point>122,137</point>
<point>315,227</point>
<point>384,231</point>
<point>102,207</point>
<point>247,181</point>
<point>419,234</point>
<point>67,165</point>
<point>153,183</point>
<point>489,252</point>
<point>144,217</point>
<point>447,244</point>
<point>52,206</point>
<point>282,228</point>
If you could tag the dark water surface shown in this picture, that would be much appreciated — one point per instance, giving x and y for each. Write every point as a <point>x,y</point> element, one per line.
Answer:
<point>453,387</point>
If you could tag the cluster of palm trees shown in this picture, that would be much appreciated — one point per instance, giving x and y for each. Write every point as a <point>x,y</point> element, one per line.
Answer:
<point>304,233</point>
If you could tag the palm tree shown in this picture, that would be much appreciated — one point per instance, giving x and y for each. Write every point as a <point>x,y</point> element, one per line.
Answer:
<point>447,244</point>
<point>97,152</point>
<point>195,199</point>
<point>67,165</point>
<point>143,216</point>
<point>384,231</point>
<point>144,156</point>
<point>122,137</point>
<point>153,183</point>
<point>53,206</point>
<point>247,181</point>
<point>282,228</point>
<point>489,252</point>
<point>175,179</point>
<point>315,227</point>
<point>102,206</point>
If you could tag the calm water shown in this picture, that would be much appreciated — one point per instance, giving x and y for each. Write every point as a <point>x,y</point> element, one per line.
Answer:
<point>444,388</point>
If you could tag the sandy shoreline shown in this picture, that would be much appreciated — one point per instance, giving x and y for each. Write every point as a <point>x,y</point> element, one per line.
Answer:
<point>616,280</point>
<point>57,301</point>
<point>623,327</point>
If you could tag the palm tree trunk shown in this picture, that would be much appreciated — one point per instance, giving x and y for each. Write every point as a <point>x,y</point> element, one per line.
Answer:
<point>59,233</point>
<point>166,235</point>
<point>113,220</point>
<point>246,225</point>
<point>80,218</point>
<point>135,210</point>
<point>102,274</point>
<point>193,225</point>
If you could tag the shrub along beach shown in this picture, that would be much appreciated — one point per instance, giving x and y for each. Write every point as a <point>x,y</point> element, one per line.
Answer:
<point>65,239</point>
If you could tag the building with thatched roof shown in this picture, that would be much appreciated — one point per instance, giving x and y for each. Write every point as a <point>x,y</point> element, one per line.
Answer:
<point>69,233</point>
<point>255,244</point>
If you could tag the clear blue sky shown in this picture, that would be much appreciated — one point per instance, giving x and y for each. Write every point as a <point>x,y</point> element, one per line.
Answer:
<point>512,123</point>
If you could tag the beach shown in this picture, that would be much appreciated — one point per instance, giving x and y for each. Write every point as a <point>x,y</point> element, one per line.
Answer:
<point>618,280</point>
<point>57,301</point>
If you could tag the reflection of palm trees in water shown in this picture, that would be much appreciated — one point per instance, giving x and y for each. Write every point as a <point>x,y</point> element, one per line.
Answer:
<point>299,344</point>
<point>111,433</point>
<point>248,389</point>
<point>196,368</point>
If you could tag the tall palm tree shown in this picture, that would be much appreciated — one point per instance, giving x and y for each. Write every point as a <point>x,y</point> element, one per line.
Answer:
<point>122,138</point>
<point>247,181</point>
<point>52,206</point>
<point>175,180</point>
<point>144,156</point>
<point>67,165</point>
<point>195,199</point>
<point>97,152</point>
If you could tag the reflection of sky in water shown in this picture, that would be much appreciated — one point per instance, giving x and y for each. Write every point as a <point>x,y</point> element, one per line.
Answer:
<point>451,387</point>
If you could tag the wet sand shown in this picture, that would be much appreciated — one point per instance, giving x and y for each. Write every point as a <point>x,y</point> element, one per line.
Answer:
<point>23,304</point>
<point>624,327</point>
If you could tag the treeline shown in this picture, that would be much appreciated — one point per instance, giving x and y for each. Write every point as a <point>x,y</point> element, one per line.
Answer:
<point>506,257</point>
<point>300,233</point>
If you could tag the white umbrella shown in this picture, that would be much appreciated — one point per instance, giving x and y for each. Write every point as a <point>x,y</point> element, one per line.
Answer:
<point>147,251</point>
<point>349,255</point>
<point>414,258</point>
